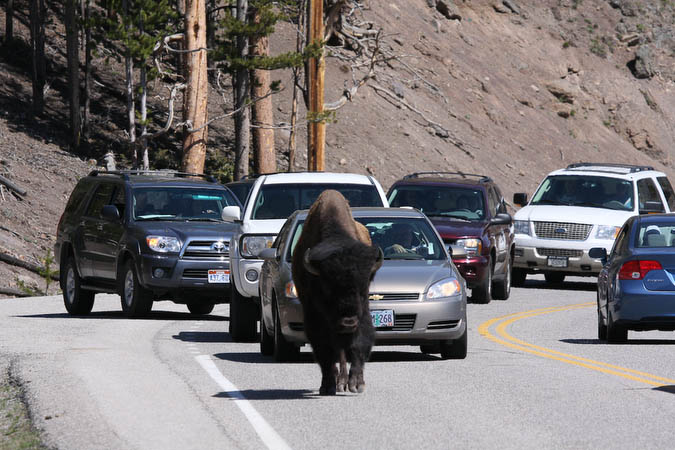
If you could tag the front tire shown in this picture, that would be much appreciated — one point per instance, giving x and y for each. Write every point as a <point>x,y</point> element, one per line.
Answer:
<point>77,301</point>
<point>243,317</point>
<point>602,328</point>
<point>136,300</point>
<point>502,288</point>
<point>455,349</point>
<point>266,341</point>
<point>283,350</point>
<point>483,292</point>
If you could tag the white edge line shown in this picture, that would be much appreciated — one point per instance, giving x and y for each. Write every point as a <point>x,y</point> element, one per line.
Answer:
<point>267,434</point>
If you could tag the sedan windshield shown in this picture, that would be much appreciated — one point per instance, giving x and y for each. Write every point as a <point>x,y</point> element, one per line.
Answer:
<point>398,238</point>
<point>462,203</point>
<point>585,190</point>
<point>181,203</point>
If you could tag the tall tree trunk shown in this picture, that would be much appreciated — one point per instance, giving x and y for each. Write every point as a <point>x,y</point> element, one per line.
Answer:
<point>316,126</point>
<point>263,115</point>
<point>37,40</point>
<point>73,73</point>
<point>9,21</point>
<point>131,107</point>
<point>143,147</point>
<point>194,144</point>
<point>299,41</point>
<point>242,120</point>
<point>87,72</point>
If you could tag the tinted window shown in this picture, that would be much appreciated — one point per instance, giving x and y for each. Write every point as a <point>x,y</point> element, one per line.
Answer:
<point>656,235</point>
<point>278,201</point>
<point>101,197</point>
<point>668,192</point>
<point>78,195</point>
<point>449,201</point>
<point>585,190</point>
<point>241,190</point>
<point>177,203</point>
<point>647,192</point>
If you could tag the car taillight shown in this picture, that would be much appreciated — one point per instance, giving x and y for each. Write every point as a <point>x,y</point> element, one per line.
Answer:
<point>636,270</point>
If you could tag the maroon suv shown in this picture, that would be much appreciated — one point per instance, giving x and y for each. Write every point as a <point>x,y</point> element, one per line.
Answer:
<point>468,211</point>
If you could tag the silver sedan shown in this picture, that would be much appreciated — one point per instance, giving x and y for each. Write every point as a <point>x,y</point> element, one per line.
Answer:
<point>416,298</point>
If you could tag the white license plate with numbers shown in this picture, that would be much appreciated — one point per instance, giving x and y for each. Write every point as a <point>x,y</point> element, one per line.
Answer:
<point>219,275</point>
<point>382,318</point>
<point>557,261</point>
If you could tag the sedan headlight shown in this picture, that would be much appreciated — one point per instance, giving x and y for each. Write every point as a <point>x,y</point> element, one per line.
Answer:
<point>473,246</point>
<point>607,232</point>
<point>251,246</point>
<point>522,226</point>
<point>163,244</point>
<point>444,288</point>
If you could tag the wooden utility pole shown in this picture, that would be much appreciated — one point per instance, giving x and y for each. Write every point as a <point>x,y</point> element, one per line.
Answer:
<point>316,129</point>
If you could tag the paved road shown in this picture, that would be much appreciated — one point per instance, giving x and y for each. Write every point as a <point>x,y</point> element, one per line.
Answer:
<point>535,376</point>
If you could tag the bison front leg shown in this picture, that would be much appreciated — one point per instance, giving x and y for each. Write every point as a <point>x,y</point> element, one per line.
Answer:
<point>342,375</point>
<point>359,353</point>
<point>326,358</point>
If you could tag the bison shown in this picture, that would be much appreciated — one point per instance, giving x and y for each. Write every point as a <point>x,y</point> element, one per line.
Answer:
<point>333,264</point>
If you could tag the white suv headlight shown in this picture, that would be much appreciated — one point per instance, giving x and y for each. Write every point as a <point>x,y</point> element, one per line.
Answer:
<point>251,246</point>
<point>607,232</point>
<point>163,244</point>
<point>522,226</point>
<point>444,288</point>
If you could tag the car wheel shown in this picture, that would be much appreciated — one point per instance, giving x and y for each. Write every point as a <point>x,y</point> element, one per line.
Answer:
<point>136,300</point>
<point>554,277</point>
<point>283,350</point>
<point>518,277</point>
<point>454,349</point>
<point>502,288</point>
<point>483,292</point>
<point>615,333</point>
<point>243,317</point>
<point>200,308</point>
<point>78,301</point>
<point>602,328</point>
<point>266,341</point>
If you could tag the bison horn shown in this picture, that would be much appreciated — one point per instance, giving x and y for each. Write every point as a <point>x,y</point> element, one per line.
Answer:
<point>308,264</point>
<point>378,260</point>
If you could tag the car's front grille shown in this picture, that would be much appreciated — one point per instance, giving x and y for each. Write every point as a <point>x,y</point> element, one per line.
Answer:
<point>442,324</point>
<point>212,250</point>
<point>402,322</point>
<point>562,230</point>
<point>394,296</point>
<point>198,274</point>
<point>560,252</point>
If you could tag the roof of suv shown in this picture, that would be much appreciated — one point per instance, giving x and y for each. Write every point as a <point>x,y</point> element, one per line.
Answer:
<point>158,177</point>
<point>608,169</point>
<point>445,178</point>
<point>316,177</point>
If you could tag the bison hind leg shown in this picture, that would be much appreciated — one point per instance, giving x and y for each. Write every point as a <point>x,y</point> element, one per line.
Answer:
<point>356,382</point>
<point>342,373</point>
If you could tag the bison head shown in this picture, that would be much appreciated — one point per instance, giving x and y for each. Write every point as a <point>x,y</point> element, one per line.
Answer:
<point>343,270</point>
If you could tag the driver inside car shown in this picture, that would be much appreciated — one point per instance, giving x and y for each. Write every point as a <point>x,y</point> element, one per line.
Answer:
<point>401,238</point>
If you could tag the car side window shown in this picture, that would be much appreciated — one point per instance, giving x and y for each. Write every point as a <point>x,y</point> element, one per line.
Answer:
<point>647,192</point>
<point>493,202</point>
<point>281,237</point>
<point>118,199</point>
<point>668,192</point>
<point>101,197</point>
<point>621,243</point>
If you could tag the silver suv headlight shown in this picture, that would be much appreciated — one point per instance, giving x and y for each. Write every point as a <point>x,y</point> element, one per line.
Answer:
<point>522,226</point>
<point>607,232</point>
<point>444,288</point>
<point>251,246</point>
<point>163,244</point>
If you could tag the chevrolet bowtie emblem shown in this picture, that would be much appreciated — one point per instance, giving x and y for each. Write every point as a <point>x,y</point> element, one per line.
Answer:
<point>375,297</point>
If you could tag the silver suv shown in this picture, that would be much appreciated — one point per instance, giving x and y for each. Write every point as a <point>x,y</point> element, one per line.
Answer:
<point>272,198</point>
<point>580,207</point>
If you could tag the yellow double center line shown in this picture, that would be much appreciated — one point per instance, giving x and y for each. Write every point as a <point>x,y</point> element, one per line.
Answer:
<point>501,323</point>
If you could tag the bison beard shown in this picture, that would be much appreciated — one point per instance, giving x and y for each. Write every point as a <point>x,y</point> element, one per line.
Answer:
<point>332,270</point>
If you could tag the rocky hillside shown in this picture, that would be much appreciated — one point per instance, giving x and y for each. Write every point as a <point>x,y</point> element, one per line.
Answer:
<point>511,89</point>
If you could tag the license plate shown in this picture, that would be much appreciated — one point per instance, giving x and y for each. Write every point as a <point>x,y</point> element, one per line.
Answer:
<point>382,318</point>
<point>219,276</point>
<point>557,261</point>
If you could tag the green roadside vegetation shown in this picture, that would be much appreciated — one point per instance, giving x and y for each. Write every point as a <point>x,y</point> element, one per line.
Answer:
<point>16,431</point>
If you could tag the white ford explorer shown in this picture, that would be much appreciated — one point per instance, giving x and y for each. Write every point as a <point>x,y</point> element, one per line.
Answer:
<point>272,198</point>
<point>579,207</point>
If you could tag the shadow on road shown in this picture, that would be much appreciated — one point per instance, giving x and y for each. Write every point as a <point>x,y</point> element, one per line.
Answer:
<point>257,358</point>
<point>270,394</point>
<point>629,342</point>
<point>669,389</point>
<point>203,336</point>
<point>154,315</point>
<point>566,285</point>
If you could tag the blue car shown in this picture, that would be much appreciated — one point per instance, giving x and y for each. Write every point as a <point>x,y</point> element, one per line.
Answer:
<point>636,286</point>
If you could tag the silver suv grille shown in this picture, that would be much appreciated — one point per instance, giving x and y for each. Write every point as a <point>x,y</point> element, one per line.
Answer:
<point>560,252</point>
<point>212,250</point>
<point>562,230</point>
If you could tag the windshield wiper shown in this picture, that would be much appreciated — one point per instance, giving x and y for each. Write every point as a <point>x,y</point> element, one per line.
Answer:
<point>202,219</point>
<point>551,202</point>
<point>144,218</point>
<point>450,215</point>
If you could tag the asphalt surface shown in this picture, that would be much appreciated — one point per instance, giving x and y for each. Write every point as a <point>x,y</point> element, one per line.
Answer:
<point>535,376</point>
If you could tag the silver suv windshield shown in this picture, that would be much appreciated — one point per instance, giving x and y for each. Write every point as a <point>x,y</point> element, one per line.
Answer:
<point>178,203</point>
<point>585,190</point>
<point>278,201</point>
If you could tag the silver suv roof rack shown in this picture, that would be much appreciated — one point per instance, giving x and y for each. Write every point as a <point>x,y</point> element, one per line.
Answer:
<point>628,167</point>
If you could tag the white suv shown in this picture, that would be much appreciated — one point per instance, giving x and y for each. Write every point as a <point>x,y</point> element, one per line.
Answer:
<point>579,207</point>
<point>271,200</point>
